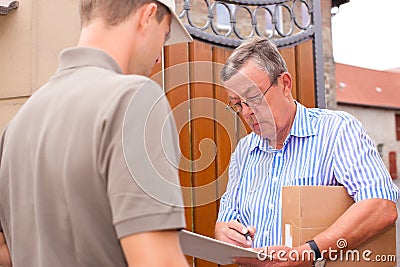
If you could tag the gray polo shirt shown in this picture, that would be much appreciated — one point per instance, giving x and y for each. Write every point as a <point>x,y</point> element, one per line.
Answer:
<point>68,193</point>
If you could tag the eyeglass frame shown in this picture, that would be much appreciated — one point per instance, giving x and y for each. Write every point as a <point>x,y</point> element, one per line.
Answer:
<point>259,98</point>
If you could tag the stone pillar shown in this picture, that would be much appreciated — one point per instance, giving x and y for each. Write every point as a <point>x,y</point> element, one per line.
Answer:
<point>329,64</point>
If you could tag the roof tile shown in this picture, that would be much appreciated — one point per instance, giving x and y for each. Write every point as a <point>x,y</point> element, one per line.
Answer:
<point>360,86</point>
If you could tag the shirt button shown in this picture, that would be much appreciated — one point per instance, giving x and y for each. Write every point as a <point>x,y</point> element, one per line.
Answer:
<point>275,179</point>
<point>271,206</point>
<point>266,232</point>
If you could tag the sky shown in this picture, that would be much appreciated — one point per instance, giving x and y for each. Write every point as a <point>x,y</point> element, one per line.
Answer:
<point>366,33</point>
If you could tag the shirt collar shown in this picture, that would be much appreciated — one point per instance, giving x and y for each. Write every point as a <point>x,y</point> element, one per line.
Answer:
<point>302,127</point>
<point>302,124</point>
<point>257,141</point>
<point>86,56</point>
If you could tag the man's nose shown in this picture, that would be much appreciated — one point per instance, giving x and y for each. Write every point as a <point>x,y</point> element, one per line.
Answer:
<point>246,110</point>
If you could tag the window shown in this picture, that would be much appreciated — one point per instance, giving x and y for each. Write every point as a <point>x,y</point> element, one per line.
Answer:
<point>392,164</point>
<point>380,149</point>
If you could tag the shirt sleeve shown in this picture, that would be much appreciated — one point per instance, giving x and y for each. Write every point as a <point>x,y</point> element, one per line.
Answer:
<point>228,207</point>
<point>358,165</point>
<point>142,164</point>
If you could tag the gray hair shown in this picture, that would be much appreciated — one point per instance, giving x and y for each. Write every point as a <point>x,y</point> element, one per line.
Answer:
<point>262,51</point>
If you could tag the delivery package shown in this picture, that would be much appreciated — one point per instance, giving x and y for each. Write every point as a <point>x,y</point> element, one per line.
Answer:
<point>309,210</point>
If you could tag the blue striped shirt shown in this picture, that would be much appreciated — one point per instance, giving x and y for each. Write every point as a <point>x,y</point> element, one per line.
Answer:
<point>324,147</point>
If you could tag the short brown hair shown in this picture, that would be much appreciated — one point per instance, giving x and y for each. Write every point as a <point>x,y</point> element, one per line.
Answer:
<point>262,51</point>
<point>115,11</point>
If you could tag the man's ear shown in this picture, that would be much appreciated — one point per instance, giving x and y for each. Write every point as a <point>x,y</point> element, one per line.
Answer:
<point>287,82</point>
<point>147,13</point>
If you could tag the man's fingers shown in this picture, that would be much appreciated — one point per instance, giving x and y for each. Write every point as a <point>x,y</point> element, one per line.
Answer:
<point>237,226</point>
<point>237,237</point>
<point>252,230</point>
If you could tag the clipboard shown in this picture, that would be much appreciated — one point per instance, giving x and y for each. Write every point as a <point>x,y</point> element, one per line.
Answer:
<point>213,250</point>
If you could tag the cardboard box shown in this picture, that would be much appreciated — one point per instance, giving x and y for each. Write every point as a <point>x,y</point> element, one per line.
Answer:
<point>309,210</point>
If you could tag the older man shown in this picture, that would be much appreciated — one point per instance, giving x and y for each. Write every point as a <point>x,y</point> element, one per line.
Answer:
<point>294,145</point>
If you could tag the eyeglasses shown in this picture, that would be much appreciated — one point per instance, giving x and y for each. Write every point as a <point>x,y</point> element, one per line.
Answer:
<point>252,102</point>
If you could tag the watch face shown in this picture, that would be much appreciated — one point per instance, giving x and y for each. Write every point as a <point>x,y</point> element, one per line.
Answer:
<point>320,263</point>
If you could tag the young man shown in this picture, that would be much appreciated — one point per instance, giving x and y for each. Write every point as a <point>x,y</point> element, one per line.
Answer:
<point>71,182</point>
<point>293,145</point>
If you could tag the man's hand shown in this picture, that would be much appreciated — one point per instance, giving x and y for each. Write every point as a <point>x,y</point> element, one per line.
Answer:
<point>233,232</point>
<point>281,256</point>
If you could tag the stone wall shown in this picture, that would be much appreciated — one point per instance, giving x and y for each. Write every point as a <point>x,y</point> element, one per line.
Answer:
<point>31,38</point>
<point>329,64</point>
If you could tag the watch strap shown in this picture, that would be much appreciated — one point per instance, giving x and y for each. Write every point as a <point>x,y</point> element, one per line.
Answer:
<point>315,248</point>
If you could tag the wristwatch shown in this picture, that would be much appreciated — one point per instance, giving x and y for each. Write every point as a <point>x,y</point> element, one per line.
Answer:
<point>318,260</point>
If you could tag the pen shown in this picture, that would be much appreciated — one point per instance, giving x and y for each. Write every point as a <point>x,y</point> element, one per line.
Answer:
<point>246,235</point>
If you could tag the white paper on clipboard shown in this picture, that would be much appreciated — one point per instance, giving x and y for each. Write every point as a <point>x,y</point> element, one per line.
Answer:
<point>213,250</point>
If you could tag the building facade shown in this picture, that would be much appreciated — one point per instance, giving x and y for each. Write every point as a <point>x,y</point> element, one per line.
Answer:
<point>373,98</point>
